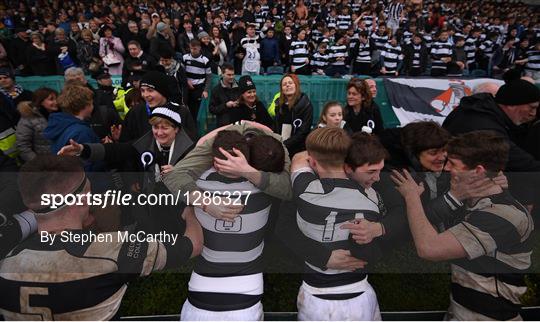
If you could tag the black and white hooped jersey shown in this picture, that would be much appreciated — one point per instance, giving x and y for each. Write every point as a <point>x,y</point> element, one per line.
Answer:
<point>488,48</point>
<point>316,35</point>
<point>265,9</point>
<point>196,68</point>
<point>260,18</point>
<point>343,22</point>
<point>338,51</point>
<point>331,22</point>
<point>428,40</point>
<point>440,50</point>
<point>393,55</point>
<point>369,21</point>
<point>533,63</point>
<point>407,37</point>
<point>323,205</point>
<point>299,53</point>
<point>470,49</point>
<point>228,274</point>
<point>379,41</point>
<point>364,53</point>
<point>319,60</point>
<point>416,56</point>
<point>68,280</point>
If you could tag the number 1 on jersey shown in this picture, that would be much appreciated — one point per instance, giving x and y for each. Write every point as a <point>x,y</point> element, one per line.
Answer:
<point>328,234</point>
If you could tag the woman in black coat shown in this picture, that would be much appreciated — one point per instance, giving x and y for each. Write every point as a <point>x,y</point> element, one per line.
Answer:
<point>144,162</point>
<point>248,106</point>
<point>294,115</point>
<point>40,58</point>
<point>361,111</point>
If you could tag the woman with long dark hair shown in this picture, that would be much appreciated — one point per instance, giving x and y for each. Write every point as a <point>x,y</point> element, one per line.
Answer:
<point>361,112</point>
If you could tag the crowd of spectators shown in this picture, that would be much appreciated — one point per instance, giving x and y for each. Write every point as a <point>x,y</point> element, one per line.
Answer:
<point>387,37</point>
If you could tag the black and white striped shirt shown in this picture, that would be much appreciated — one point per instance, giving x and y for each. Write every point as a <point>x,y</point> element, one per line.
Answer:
<point>260,18</point>
<point>440,50</point>
<point>369,21</point>
<point>407,37</point>
<point>416,56</point>
<point>364,53</point>
<point>331,22</point>
<point>343,22</point>
<point>488,48</point>
<point>323,205</point>
<point>248,41</point>
<point>392,57</point>
<point>428,40</point>
<point>379,41</point>
<point>298,53</point>
<point>534,60</point>
<point>320,60</point>
<point>470,49</point>
<point>316,35</point>
<point>196,68</point>
<point>338,51</point>
<point>228,274</point>
<point>496,235</point>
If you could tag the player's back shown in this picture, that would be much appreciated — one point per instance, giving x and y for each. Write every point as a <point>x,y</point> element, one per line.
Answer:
<point>228,274</point>
<point>73,281</point>
<point>323,205</point>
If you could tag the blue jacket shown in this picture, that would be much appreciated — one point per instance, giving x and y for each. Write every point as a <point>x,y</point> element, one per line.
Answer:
<point>63,126</point>
<point>270,50</point>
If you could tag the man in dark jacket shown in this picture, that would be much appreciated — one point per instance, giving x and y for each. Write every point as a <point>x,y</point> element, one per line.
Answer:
<point>514,104</point>
<point>134,34</point>
<point>16,48</point>
<point>104,114</point>
<point>155,92</point>
<point>137,59</point>
<point>224,96</point>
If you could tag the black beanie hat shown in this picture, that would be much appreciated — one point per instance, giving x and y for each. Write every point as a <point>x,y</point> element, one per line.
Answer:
<point>170,112</point>
<point>157,81</point>
<point>245,83</point>
<point>517,91</point>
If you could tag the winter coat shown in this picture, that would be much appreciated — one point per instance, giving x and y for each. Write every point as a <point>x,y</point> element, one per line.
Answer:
<point>270,50</point>
<point>85,52</point>
<point>41,62</point>
<point>220,96</point>
<point>30,139</point>
<point>481,112</point>
<point>115,47</point>
<point>300,118</point>
<point>55,49</point>
<point>355,122</point>
<point>62,127</point>
<point>147,61</point>
<point>257,114</point>
<point>136,123</point>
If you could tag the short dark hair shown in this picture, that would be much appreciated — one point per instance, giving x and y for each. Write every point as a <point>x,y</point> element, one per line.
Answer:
<point>227,66</point>
<point>485,148</point>
<point>48,174</point>
<point>227,140</point>
<point>195,43</point>
<point>365,149</point>
<point>134,42</point>
<point>417,137</point>
<point>266,153</point>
